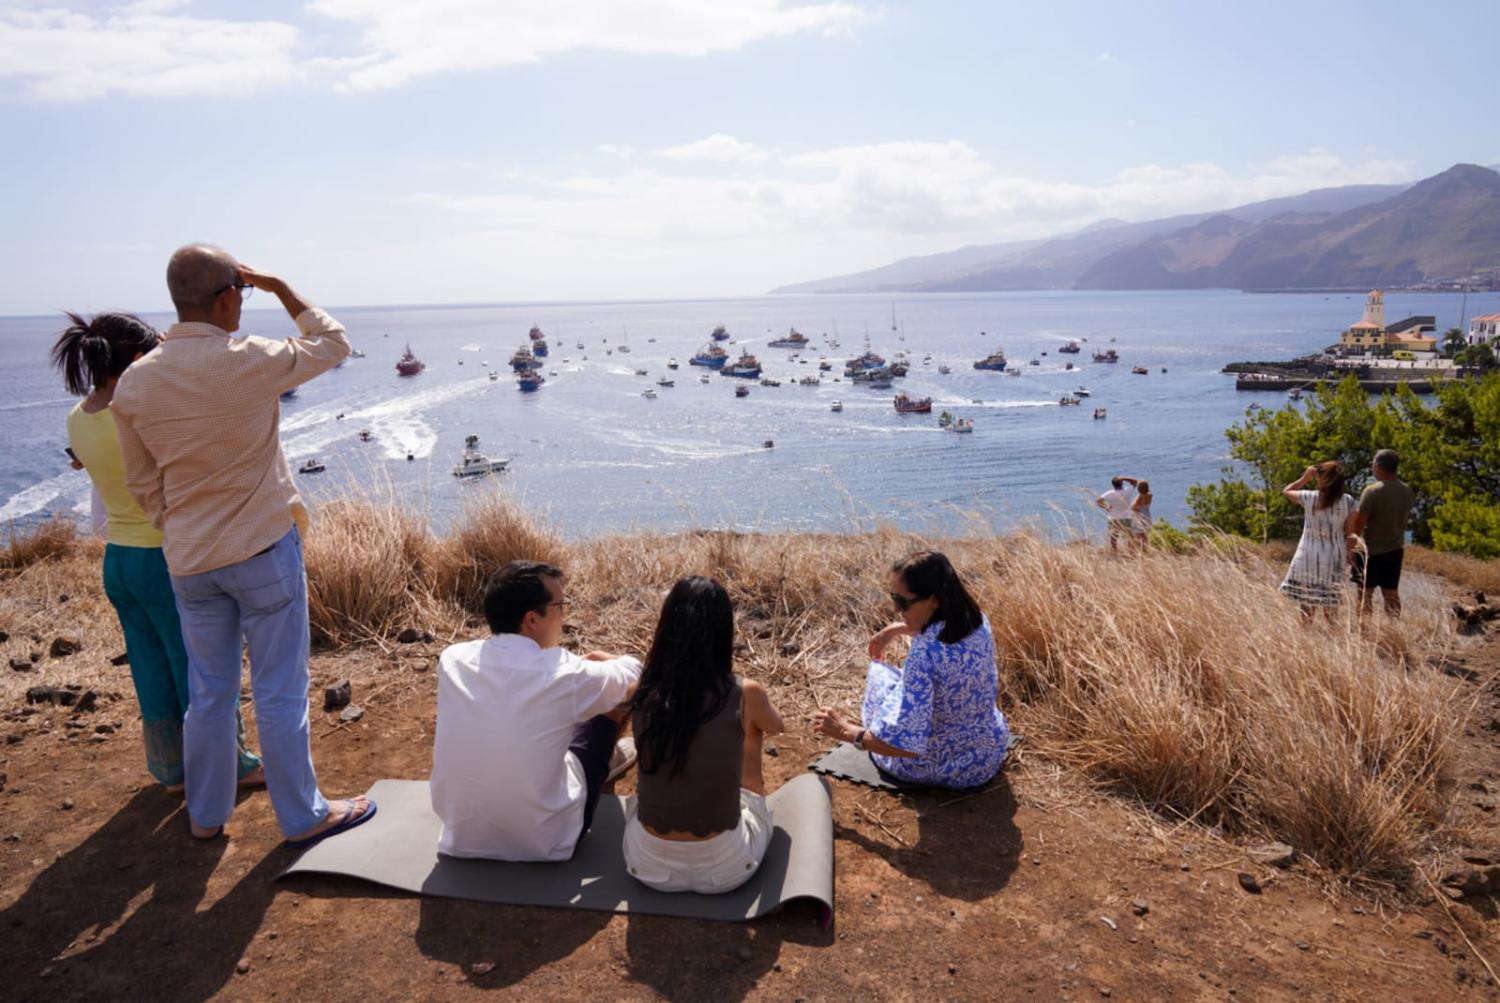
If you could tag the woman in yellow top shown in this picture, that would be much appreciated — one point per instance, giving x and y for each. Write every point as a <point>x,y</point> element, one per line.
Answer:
<point>91,355</point>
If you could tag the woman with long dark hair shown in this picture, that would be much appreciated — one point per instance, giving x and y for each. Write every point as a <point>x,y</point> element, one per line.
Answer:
<point>699,821</point>
<point>91,355</point>
<point>934,719</point>
<point>1315,579</point>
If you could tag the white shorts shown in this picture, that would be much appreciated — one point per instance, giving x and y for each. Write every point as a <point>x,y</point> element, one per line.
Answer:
<point>709,866</point>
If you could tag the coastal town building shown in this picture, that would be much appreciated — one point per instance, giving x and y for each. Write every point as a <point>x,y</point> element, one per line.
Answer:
<point>1373,336</point>
<point>1484,330</point>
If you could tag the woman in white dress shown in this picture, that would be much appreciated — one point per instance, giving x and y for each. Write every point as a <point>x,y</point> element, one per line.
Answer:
<point>1316,578</point>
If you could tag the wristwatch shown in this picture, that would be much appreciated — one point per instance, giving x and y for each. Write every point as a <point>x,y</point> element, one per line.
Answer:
<point>859,739</point>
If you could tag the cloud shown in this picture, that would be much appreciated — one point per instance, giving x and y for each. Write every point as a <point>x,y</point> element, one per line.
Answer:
<point>1105,57</point>
<point>716,147</point>
<point>408,40</point>
<point>619,151</point>
<point>142,49</point>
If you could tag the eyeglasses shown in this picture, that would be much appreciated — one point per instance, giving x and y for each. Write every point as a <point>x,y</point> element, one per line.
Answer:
<point>904,603</point>
<point>244,287</point>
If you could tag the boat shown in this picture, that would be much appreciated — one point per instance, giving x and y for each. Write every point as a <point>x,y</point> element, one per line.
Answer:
<point>994,362</point>
<point>1254,406</point>
<point>671,363</point>
<point>766,381</point>
<point>710,355</point>
<point>792,339</point>
<point>1139,370</point>
<point>944,369</point>
<point>720,334</point>
<point>1081,392</point>
<point>1069,401</point>
<point>836,406</point>
<point>1071,348</point>
<point>825,367</point>
<point>642,372</point>
<point>746,366</point>
<point>580,346</point>
<point>809,381</point>
<point>872,375</point>
<point>768,444</point>
<point>473,463</point>
<point>963,426</point>
<point>538,343</point>
<point>409,364</point>
<point>1099,412</point>
<point>703,378</point>
<point>906,404</point>
<point>311,466</point>
<point>1033,362</point>
<point>364,435</point>
<point>528,380</point>
<point>1108,355</point>
<point>494,376</point>
<point>1069,368</point>
<point>649,394</point>
<point>945,419</point>
<point>898,368</point>
<point>523,359</point>
<point>287,395</point>
<point>1295,393</point>
<point>869,360</point>
<point>664,382</point>
<point>355,353</point>
<point>742,391</point>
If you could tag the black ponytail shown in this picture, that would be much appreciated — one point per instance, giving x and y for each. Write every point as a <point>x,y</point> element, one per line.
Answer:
<point>90,353</point>
<point>929,574</point>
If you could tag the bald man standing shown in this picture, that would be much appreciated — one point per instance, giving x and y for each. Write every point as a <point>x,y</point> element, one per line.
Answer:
<point>199,425</point>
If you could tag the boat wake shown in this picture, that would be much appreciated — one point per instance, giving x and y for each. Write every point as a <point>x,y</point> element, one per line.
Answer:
<point>397,423</point>
<point>71,486</point>
<point>28,405</point>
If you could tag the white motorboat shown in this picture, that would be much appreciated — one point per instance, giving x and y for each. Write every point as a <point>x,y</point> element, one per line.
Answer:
<point>312,466</point>
<point>474,463</point>
<point>649,394</point>
<point>1081,392</point>
<point>837,406</point>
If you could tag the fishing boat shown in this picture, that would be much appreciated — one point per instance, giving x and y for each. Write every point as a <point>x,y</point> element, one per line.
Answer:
<point>906,404</point>
<point>809,381</point>
<point>742,391</point>
<point>836,406</point>
<point>528,380</point>
<point>898,368</point>
<point>766,381</point>
<point>649,394</point>
<point>1139,371</point>
<point>1081,392</point>
<point>768,444</point>
<point>1099,412</point>
<point>1033,362</point>
<point>642,372</point>
<point>409,364</point>
<point>523,359</point>
<point>311,466</point>
<point>710,355</point>
<point>1069,368</point>
<point>944,369</point>
<point>994,362</point>
<point>825,367</point>
<point>792,339</point>
<point>869,360</point>
<point>672,363</point>
<point>1071,348</point>
<point>494,376</point>
<point>720,334</point>
<point>1069,401</point>
<point>746,366</point>
<point>364,435</point>
<point>474,463</point>
<point>538,343</point>
<point>1108,355</point>
<point>664,382</point>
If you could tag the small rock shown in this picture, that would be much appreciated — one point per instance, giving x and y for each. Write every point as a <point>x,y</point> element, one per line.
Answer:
<point>121,659</point>
<point>272,935</point>
<point>88,702</point>
<point>4,636</point>
<point>104,729</point>
<point>420,667</point>
<point>67,804</point>
<point>35,656</point>
<point>744,953</point>
<point>352,713</point>
<point>242,966</point>
<point>1248,882</point>
<point>1140,906</point>
<point>776,967</point>
<point>74,725</point>
<point>1302,945</point>
<point>789,648</point>
<point>410,635</point>
<point>97,739</point>
<point>952,969</point>
<point>482,967</point>
<point>2,781</point>
<point>338,695</point>
<point>21,665</point>
<point>1273,854</point>
<point>1109,922</point>
<point>63,597</point>
<point>771,751</point>
<point>64,645</point>
<point>14,837</point>
<point>14,738</point>
<point>1105,992</point>
<point>1185,867</point>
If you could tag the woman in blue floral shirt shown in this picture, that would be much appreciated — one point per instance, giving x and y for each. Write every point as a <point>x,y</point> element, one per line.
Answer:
<point>932,720</point>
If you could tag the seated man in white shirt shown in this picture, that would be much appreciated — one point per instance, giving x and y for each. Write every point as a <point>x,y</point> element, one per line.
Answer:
<point>1116,505</point>
<point>526,731</point>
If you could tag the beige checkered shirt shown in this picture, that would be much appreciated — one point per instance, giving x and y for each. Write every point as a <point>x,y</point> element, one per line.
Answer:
<point>199,421</point>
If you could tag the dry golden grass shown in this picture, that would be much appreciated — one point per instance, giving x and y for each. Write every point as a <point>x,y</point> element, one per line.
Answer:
<point>1184,681</point>
<point>39,541</point>
<point>1467,572</point>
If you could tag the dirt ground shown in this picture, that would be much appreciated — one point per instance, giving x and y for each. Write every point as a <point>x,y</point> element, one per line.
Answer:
<point>1026,891</point>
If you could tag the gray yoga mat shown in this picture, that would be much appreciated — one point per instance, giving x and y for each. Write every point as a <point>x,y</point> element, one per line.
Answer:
<point>846,762</point>
<point>398,848</point>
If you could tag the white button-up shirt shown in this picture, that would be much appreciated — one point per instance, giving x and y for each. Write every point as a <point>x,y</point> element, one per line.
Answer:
<point>503,782</point>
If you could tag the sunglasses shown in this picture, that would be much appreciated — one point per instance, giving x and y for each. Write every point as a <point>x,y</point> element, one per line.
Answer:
<point>245,289</point>
<point>904,603</point>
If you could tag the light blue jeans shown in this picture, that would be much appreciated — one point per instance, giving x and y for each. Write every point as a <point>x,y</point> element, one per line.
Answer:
<point>264,600</point>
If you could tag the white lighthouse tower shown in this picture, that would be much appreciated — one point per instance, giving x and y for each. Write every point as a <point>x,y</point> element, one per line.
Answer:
<point>1375,310</point>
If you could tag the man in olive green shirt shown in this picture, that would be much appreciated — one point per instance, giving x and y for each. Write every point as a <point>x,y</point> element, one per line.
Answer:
<point>1384,508</point>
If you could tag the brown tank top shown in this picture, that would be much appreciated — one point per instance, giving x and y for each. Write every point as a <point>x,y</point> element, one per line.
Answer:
<point>703,797</point>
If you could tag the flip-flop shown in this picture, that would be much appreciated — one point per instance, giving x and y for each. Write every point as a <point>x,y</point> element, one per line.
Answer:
<point>349,822</point>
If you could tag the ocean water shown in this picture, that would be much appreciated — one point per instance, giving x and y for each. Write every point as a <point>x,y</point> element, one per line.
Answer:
<point>592,456</point>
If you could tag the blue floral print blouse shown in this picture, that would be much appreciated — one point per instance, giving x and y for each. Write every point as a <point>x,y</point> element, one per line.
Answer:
<point>940,705</point>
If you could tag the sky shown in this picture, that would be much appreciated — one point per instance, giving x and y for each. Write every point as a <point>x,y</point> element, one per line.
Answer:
<point>447,151</point>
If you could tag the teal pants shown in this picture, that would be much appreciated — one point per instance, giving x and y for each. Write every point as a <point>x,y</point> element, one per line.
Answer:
<point>138,586</point>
